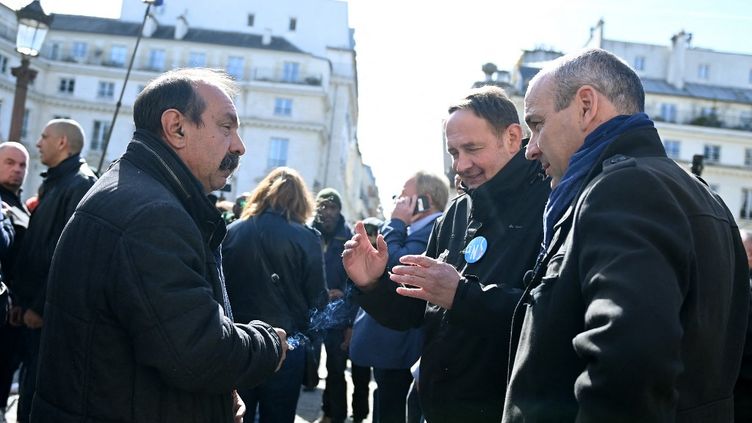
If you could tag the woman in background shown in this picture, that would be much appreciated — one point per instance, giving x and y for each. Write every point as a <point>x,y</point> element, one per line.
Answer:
<point>274,272</point>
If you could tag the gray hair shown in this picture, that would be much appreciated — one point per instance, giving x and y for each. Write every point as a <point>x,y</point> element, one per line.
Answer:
<point>600,69</point>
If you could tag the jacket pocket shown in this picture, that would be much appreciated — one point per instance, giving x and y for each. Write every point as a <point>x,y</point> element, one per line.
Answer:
<point>553,271</point>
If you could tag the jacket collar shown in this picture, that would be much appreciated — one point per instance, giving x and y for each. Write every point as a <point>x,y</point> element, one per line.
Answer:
<point>69,165</point>
<point>151,154</point>
<point>504,188</point>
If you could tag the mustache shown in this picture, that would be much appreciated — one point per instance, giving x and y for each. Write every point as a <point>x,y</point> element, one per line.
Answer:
<point>230,162</point>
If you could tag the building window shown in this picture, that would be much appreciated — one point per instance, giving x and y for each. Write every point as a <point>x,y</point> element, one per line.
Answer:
<point>668,112</point>
<point>712,153</point>
<point>251,19</point>
<point>67,85</point>
<point>745,120</point>
<point>277,153</point>
<point>106,89</point>
<point>25,124</point>
<point>197,59</point>
<point>79,50</point>
<point>55,51</point>
<point>157,59</point>
<point>703,71</point>
<point>118,55</point>
<point>748,157</point>
<point>290,71</point>
<point>235,66</point>
<point>673,148</point>
<point>99,134</point>
<point>3,64</point>
<point>639,63</point>
<point>283,106</point>
<point>746,211</point>
<point>293,24</point>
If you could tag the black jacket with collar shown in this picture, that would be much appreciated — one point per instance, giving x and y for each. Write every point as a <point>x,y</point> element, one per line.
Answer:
<point>63,187</point>
<point>463,367</point>
<point>640,313</point>
<point>134,325</point>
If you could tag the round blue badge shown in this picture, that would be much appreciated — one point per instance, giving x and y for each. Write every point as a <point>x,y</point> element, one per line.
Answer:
<point>475,249</point>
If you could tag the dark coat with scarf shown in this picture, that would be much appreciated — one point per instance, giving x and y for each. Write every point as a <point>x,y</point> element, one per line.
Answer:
<point>639,310</point>
<point>135,329</point>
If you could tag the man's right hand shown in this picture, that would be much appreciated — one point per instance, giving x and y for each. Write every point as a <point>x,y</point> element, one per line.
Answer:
<point>15,318</point>
<point>363,263</point>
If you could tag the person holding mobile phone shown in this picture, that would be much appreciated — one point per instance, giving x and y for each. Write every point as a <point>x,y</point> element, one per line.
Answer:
<point>390,352</point>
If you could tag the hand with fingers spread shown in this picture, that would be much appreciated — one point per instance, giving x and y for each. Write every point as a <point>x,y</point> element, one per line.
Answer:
<point>429,279</point>
<point>363,263</point>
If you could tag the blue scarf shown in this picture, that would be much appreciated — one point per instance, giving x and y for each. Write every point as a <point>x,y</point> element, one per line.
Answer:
<point>580,164</point>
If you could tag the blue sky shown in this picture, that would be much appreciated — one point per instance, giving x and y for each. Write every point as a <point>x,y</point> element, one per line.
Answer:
<point>417,56</point>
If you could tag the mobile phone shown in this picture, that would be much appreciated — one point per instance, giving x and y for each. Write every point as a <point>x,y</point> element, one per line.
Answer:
<point>421,204</point>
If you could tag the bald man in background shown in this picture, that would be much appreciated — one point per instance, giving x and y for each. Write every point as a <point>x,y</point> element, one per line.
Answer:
<point>67,179</point>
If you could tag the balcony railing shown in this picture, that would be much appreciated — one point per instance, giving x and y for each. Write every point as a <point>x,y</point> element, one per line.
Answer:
<point>276,75</point>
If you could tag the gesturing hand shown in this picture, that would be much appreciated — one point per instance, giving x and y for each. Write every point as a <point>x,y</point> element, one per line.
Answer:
<point>363,263</point>
<point>430,280</point>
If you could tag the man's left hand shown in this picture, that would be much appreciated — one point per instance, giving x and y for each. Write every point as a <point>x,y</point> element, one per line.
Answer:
<point>429,279</point>
<point>32,320</point>
<point>238,407</point>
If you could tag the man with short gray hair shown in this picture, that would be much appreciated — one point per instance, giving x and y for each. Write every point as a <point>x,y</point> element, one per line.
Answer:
<point>636,310</point>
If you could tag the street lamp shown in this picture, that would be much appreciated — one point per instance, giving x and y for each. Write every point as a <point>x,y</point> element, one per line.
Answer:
<point>33,25</point>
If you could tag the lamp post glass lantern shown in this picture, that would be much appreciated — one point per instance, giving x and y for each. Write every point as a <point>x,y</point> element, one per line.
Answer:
<point>33,25</point>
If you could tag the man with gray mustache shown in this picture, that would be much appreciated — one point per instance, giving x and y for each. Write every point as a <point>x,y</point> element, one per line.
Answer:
<point>138,326</point>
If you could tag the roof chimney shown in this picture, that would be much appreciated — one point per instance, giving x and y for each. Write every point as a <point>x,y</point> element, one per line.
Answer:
<point>181,27</point>
<point>679,45</point>
<point>266,38</point>
<point>150,26</point>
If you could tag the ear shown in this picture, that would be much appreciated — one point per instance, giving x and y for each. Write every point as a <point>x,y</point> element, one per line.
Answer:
<point>62,143</point>
<point>587,105</point>
<point>513,137</point>
<point>172,128</point>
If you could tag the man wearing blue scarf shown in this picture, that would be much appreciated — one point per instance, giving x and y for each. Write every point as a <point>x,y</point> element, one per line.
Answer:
<point>637,308</point>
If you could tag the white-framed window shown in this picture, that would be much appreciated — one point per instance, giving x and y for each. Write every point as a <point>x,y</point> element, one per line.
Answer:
<point>673,148</point>
<point>668,112</point>
<point>25,124</point>
<point>746,209</point>
<point>712,153</point>
<point>293,24</point>
<point>703,71</point>
<point>748,157</point>
<point>67,85</point>
<point>106,89</point>
<point>639,63</point>
<point>290,71</point>
<point>3,64</point>
<point>55,51</point>
<point>235,66</point>
<point>118,55</point>
<point>157,59</point>
<point>251,19</point>
<point>79,50</point>
<point>282,106</point>
<point>98,134</point>
<point>277,152</point>
<point>197,59</point>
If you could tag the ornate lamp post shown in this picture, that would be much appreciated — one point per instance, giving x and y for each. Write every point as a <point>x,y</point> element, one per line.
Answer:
<point>33,25</point>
